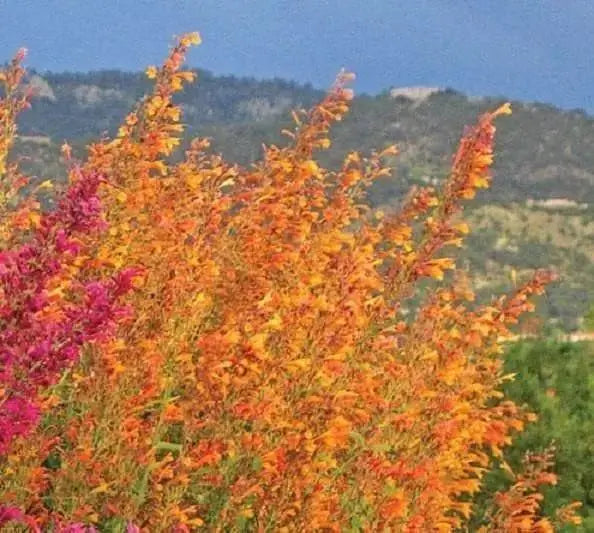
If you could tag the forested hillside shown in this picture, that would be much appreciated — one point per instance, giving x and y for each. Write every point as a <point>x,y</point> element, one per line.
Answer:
<point>543,187</point>
<point>544,151</point>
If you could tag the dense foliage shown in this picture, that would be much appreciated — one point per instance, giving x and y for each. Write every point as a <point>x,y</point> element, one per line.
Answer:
<point>556,379</point>
<point>235,349</point>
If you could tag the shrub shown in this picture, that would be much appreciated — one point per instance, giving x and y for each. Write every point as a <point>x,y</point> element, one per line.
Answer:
<point>556,381</point>
<point>275,375</point>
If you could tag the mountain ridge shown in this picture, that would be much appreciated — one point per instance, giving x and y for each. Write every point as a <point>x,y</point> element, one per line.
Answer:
<point>539,211</point>
<point>543,151</point>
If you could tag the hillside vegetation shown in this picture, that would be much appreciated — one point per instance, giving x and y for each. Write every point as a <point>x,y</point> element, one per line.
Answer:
<point>545,154</point>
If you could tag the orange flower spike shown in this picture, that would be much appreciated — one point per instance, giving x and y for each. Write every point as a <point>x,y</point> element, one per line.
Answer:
<point>13,101</point>
<point>473,158</point>
<point>518,508</point>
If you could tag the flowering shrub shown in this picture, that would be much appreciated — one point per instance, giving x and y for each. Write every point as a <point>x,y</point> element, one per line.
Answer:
<point>47,311</point>
<point>44,328</point>
<point>273,375</point>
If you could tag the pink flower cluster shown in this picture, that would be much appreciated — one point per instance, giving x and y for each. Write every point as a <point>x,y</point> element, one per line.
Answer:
<point>41,332</point>
<point>12,514</point>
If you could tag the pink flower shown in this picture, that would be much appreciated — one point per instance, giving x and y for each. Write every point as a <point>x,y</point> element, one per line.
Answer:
<point>13,514</point>
<point>36,348</point>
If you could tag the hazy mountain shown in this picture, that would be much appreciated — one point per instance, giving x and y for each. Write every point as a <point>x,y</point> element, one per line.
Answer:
<point>539,211</point>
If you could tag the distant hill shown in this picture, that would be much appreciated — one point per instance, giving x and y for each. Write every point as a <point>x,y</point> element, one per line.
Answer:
<point>543,152</point>
<point>541,205</point>
<point>85,105</point>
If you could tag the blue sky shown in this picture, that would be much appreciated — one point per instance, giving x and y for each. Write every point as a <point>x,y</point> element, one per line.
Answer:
<point>523,49</point>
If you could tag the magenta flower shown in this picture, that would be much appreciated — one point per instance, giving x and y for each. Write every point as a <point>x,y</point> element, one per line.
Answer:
<point>12,514</point>
<point>36,346</point>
